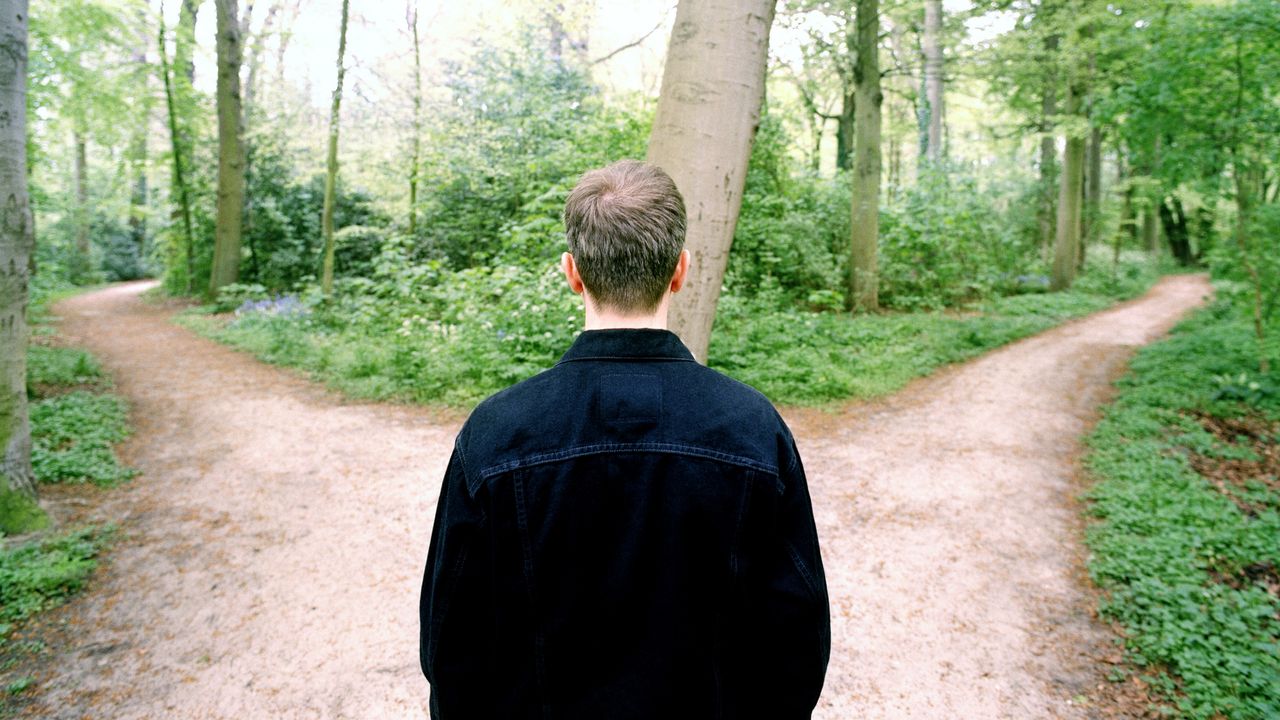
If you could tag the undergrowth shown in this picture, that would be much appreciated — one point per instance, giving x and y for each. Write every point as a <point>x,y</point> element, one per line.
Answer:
<point>1187,540</point>
<point>40,574</point>
<point>455,337</point>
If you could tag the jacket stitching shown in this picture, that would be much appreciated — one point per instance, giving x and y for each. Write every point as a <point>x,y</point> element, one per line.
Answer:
<point>603,448</point>
<point>526,546</point>
<point>809,580</point>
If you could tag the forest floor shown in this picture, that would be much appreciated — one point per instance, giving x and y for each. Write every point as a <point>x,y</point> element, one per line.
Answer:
<point>269,557</point>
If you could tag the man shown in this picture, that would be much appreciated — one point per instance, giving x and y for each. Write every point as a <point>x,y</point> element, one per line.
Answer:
<point>628,534</point>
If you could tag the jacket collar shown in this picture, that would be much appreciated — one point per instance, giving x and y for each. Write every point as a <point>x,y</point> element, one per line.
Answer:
<point>627,344</point>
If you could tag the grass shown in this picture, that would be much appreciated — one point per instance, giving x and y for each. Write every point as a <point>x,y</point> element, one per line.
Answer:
<point>457,357</point>
<point>1186,542</point>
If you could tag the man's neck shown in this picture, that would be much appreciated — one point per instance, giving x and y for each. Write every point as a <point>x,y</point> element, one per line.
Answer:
<point>608,319</point>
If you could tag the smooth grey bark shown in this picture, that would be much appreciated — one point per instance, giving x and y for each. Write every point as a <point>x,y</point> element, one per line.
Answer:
<point>331,171</point>
<point>1071,189</point>
<point>708,112</point>
<point>863,280</point>
<point>80,170</point>
<point>415,158</point>
<point>1048,151</point>
<point>179,174</point>
<point>226,249</point>
<point>17,243</point>
<point>933,82</point>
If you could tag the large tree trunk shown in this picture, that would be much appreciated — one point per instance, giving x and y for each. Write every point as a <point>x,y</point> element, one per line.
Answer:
<point>706,120</point>
<point>1067,243</point>
<point>863,281</point>
<point>1048,150</point>
<point>80,169</point>
<point>933,82</point>
<point>226,249</point>
<point>179,176</point>
<point>416,156</point>
<point>18,512</point>
<point>331,172</point>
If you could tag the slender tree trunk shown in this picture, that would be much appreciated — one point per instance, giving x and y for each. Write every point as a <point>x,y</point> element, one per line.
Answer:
<point>250,113</point>
<point>80,169</point>
<point>1067,243</point>
<point>706,120</point>
<point>933,82</point>
<point>1092,215</point>
<point>226,249</point>
<point>138,160</point>
<point>18,512</point>
<point>863,281</point>
<point>331,173</point>
<point>1174,220</point>
<point>416,158</point>
<point>1150,229</point>
<point>1128,219</point>
<point>179,176</point>
<point>844,129</point>
<point>895,166</point>
<point>185,43</point>
<point>1127,226</point>
<point>1048,150</point>
<point>1244,215</point>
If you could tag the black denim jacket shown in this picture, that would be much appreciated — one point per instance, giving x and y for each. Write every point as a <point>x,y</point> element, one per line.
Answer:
<point>626,535</point>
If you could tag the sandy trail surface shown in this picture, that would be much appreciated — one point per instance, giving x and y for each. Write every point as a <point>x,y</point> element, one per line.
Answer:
<point>270,555</point>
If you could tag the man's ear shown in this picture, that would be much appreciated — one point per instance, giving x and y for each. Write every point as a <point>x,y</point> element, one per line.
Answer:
<point>682,271</point>
<point>570,269</point>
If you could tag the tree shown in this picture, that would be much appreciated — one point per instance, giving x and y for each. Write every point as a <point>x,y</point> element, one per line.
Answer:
<point>708,112</point>
<point>226,249</point>
<point>331,172</point>
<point>415,158</point>
<point>18,511</point>
<point>933,71</point>
<point>1067,242</point>
<point>177,154</point>
<point>863,280</point>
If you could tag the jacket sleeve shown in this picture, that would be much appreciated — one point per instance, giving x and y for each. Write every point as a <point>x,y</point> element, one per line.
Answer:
<point>790,607</point>
<point>453,647</point>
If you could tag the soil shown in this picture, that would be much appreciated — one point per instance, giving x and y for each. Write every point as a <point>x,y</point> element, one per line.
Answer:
<point>269,557</point>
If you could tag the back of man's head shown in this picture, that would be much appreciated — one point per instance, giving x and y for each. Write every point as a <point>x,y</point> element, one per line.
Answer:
<point>625,224</point>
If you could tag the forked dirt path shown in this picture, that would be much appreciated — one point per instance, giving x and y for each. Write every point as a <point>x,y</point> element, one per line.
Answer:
<point>271,552</point>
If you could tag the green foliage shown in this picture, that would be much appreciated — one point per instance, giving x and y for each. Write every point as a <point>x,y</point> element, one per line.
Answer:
<point>18,514</point>
<point>41,574</point>
<point>531,125</point>
<point>74,425</point>
<point>1171,549</point>
<point>73,438</point>
<point>946,242</point>
<point>428,334</point>
<point>49,366</point>
<point>809,358</point>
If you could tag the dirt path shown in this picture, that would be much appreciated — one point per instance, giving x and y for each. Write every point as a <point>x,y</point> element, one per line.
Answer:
<point>271,552</point>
